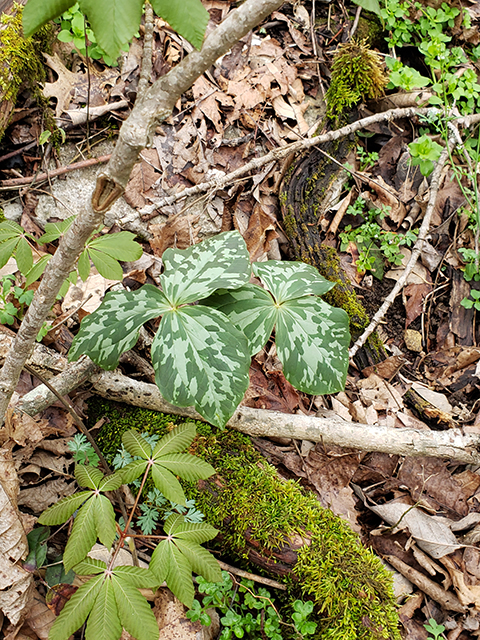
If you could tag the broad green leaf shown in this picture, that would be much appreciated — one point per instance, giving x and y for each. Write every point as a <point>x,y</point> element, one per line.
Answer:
<point>136,445</point>
<point>88,476</point>
<point>37,549</point>
<point>64,508</point>
<point>167,484</point>
<point>83,265</point>
<point>197,532</point>
<point>251,309</point>
<point>134,611</point>
<point>111,482</point>
<point>171,523</point>
<point>106,266</point>
<point>133,470</point>
<point>137,576</point>
<point>76,610</point>
<point>39,12</point>
<point>159,562</point>
<point>312,340</point>
<point>186,466</point>
<point>201,359</point>
<point>103,622</point>
<point>189,18</point>
<point>83,535</point>
<point>369,5</point>
<point>121,246</point>
<point>7,249</point>
<point>89,567</point>
<point>104,517</point>
<point>23,256</point>
<point>179,578</point>
<point>36,271</point>
<point>10,229</point>
<point>178,439</point>
<point>288,280</point>
<point>201,561</point>
<point>53,230</point>
<point>113,328</point>
<point>221,262</point>
<point>114,22</point>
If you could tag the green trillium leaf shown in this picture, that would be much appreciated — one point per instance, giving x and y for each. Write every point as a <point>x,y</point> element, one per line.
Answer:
<point>82,537</point>
<point>113,328</point>
<point>134,612</point>
<point>221,262</point>
<point>136,445</point>
<point>103,622</point>
<point>63,509</point>
<point>88,476</point>
<point>312,341</point>
<point>178,439</point>
<point>251,309</point>
<point>76,610</point>
<point>289,280</point>
<point>201,359</point>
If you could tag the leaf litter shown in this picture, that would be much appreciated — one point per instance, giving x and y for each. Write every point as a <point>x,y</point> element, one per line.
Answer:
<point>261,95</point>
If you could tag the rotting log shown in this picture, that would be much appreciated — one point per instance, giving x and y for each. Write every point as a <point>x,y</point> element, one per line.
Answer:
<point>310,188</point>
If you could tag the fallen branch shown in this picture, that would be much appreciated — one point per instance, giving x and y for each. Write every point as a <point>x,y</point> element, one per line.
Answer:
<point>83,164</point>
<point>416,251</point>
<point>450,444</point>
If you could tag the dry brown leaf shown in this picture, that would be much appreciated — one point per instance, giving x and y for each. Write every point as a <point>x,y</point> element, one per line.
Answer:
<point>144,175</point>
<point>16,584</point>
<point>178,231</point>
<point>379,393</point>
<point>467,594</point>
<point>22,429</point>
<point>413,299</point>
<point>39,498</point>
<point>39,617</point>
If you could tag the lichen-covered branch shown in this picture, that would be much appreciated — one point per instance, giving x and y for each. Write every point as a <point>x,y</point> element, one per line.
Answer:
<point>156,104</point>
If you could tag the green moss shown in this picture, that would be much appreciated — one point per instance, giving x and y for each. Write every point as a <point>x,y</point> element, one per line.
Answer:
<point>357,74</point>
<point>348,583</point>
<point>2,216</point>
<point>21,58</point>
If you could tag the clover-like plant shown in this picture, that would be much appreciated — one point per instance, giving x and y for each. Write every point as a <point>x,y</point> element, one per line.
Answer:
<point>201,352</point>
<point>110,600</point>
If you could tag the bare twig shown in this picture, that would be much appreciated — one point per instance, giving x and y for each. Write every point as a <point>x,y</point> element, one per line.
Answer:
<point>417,249</point>
<point>146,69</point>
<point>18,182</point>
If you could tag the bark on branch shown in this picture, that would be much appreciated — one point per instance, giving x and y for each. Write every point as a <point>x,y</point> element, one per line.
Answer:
<point>136,133</point>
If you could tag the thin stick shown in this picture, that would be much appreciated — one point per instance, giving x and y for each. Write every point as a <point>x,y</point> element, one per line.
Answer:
<point>18,182</point>
<point>417,249</point>
<point>146,69</point>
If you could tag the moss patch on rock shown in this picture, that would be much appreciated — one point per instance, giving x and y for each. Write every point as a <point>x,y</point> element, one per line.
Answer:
<point>278,525</point>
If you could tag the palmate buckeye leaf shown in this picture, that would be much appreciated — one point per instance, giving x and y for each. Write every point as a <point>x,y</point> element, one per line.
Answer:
<point>63,509</point>
<point>201,359</point>
<point>169,564</point>
<point>76,610</point>
<point>103,622</point>
<point>189,18</point>
<point>221,262</point>
<point>178,439</point>
<point>134,612</point>
<point>113,328</point>
<point>312,340</point>
<point>136,445</point>
<point>39,12</point>
<point>82,537</point>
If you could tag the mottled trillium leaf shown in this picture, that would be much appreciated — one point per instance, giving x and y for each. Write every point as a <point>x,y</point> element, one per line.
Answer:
<point>312,340</point>
<point>221,262</point>
<point>251,309</point>
<point>201,359</point>
<point>289,280</point>
<point>113,328</point>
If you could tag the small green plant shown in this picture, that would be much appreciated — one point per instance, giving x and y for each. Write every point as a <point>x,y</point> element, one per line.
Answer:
<point>436,630</point>
<point>374,244</point>
<point>201,353</point>
<point>83,452</point>
<point>475,303</point>
<point>424,152</point>
<point>110,599</point>
<point>366,159</point>
<point>248,612</point>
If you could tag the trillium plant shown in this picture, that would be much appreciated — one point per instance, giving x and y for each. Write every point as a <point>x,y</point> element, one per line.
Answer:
<point>213,320</point>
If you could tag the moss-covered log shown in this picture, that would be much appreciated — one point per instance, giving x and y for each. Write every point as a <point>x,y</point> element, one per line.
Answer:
<point>272,524</point>
<point>309,189</point>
